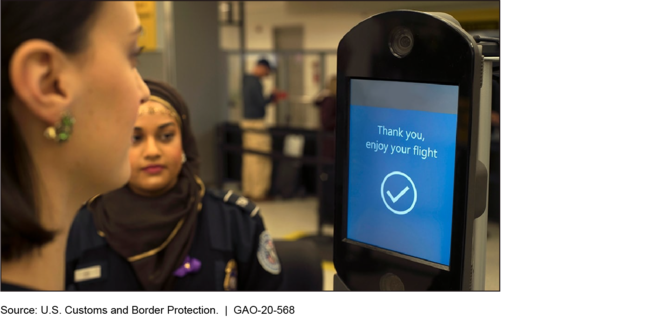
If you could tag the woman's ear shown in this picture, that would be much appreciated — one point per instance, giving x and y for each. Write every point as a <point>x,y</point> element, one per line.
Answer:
<point>40,75</point>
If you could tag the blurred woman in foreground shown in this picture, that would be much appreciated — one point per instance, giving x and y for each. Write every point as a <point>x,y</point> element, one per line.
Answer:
<point>70,96</point>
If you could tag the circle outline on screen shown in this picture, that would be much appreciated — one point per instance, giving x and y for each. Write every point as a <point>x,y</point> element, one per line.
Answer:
<point>415,193</point>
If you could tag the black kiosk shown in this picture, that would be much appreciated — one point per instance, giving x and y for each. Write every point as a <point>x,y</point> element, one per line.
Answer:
<point>408,181</point>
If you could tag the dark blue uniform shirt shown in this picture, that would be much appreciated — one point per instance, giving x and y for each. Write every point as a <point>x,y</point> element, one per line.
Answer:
<point>6,287</point>
<point>229,231</point>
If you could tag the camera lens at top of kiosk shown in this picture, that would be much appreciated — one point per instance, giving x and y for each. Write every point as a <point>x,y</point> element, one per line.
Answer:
<point>404,41</point>
<point>401,42</point>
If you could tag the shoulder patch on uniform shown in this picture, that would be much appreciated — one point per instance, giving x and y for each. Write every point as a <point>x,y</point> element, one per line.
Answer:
<point>266,254</point>
<point>240,201</point>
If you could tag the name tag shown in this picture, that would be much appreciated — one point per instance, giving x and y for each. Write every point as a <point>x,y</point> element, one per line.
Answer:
<point>89,273</point>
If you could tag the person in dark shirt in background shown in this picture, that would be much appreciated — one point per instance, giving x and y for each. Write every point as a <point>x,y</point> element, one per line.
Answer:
<point>256,169</point>
<point>326,102</point>
<point>254,100</point>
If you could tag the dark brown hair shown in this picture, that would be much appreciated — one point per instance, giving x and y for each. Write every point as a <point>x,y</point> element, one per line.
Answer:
<point>64,24</point>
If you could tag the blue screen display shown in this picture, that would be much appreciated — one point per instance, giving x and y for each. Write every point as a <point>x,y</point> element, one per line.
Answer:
<point>401,169</point>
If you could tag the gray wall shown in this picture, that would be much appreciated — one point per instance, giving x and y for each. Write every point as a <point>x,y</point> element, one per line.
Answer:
<point>201,75</point>
<point>151,66</point>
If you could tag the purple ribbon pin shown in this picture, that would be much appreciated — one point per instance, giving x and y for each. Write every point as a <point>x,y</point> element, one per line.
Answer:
<point>189,265</point>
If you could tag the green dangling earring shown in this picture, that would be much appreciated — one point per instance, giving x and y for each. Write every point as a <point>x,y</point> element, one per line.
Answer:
<point>62,131</point>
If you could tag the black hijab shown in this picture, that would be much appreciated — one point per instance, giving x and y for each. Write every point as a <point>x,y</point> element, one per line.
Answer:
<point>155,233</point>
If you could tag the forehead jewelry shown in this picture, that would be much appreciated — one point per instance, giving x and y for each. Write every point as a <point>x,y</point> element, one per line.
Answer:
<point>166,109</point>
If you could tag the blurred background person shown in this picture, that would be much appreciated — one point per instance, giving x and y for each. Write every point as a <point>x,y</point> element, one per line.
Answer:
<point>70,94</point>
<point>256,169</point>
<point>326,103</point>
<point>163,231</point>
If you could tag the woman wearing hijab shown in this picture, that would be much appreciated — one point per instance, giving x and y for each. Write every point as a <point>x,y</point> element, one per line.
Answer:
<point>163,230</point>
